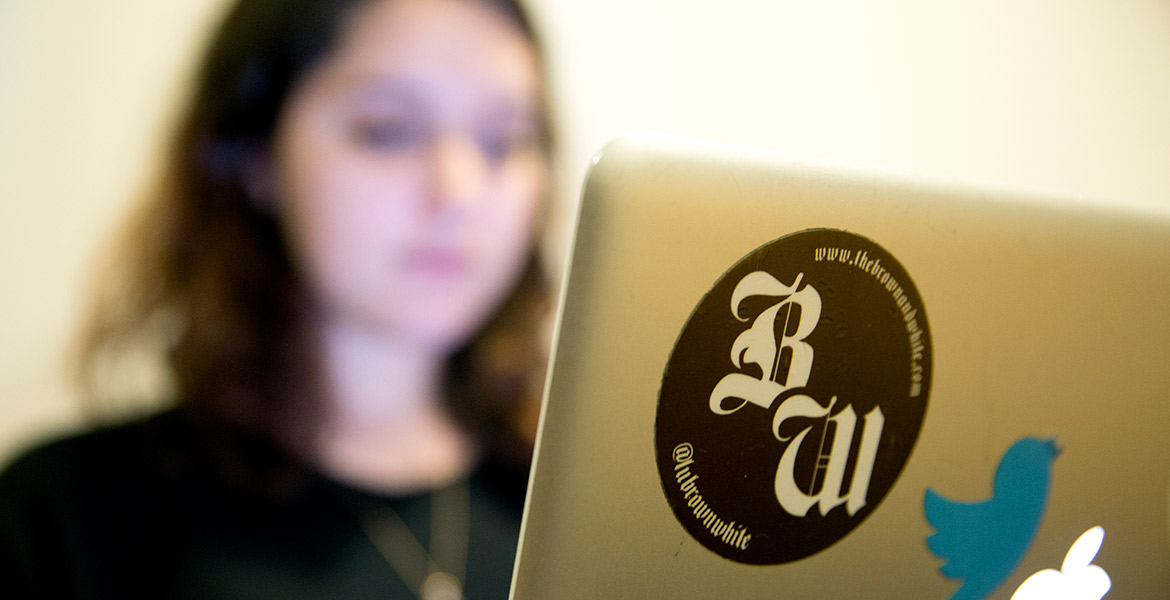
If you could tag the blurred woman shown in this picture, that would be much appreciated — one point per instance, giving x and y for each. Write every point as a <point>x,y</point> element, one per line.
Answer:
<point>342,259</point>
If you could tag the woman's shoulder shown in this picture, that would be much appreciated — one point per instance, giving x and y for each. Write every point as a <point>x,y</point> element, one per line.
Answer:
<point>131,449</point>
<point>70,507</point>
<point>134,468</point>
<point>505,482</point>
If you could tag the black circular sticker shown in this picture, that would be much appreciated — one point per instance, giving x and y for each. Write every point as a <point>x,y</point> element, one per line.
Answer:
<point>793,397</point>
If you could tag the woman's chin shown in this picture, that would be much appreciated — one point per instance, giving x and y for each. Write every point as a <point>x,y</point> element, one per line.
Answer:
<point>440,331</point>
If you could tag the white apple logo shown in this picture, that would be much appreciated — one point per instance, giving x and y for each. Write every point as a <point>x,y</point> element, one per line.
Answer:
<point>1077,579</point>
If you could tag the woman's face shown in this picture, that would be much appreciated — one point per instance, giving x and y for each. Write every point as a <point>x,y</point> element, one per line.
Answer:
<point>408,169</point>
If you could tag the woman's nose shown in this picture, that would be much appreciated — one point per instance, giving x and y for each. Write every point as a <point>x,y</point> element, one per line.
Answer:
<point>459,171</point>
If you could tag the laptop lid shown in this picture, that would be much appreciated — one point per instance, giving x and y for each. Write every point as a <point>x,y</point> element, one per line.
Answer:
<point>774,378</point>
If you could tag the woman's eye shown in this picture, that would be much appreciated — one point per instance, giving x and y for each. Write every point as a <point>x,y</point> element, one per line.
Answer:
<point>498,145</point>
<point>389,134</point>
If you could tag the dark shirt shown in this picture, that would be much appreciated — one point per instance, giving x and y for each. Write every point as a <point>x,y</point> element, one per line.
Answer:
<point>147,510</point>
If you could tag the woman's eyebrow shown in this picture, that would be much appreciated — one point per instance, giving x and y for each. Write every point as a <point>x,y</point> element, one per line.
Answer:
<point>376,90</point>
<point>510,109</point>
<point>381,89</point>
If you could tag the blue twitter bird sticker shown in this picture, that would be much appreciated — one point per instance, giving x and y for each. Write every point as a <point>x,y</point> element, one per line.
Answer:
<point>983,542</point>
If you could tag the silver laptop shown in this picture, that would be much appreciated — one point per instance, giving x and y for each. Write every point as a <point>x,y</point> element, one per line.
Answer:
<point>778,379</point>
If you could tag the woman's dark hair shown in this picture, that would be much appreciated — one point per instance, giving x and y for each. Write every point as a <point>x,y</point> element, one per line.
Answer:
<point>209,262</point>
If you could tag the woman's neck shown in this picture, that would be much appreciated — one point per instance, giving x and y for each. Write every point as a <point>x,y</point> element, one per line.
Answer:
<point>386,428</point>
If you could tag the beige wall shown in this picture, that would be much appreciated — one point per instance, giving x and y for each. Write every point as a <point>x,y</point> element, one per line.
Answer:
<point>1065,96</point>
<point>85,89</point>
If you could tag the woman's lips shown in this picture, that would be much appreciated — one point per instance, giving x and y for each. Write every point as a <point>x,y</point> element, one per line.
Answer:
<point>438,262</point>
